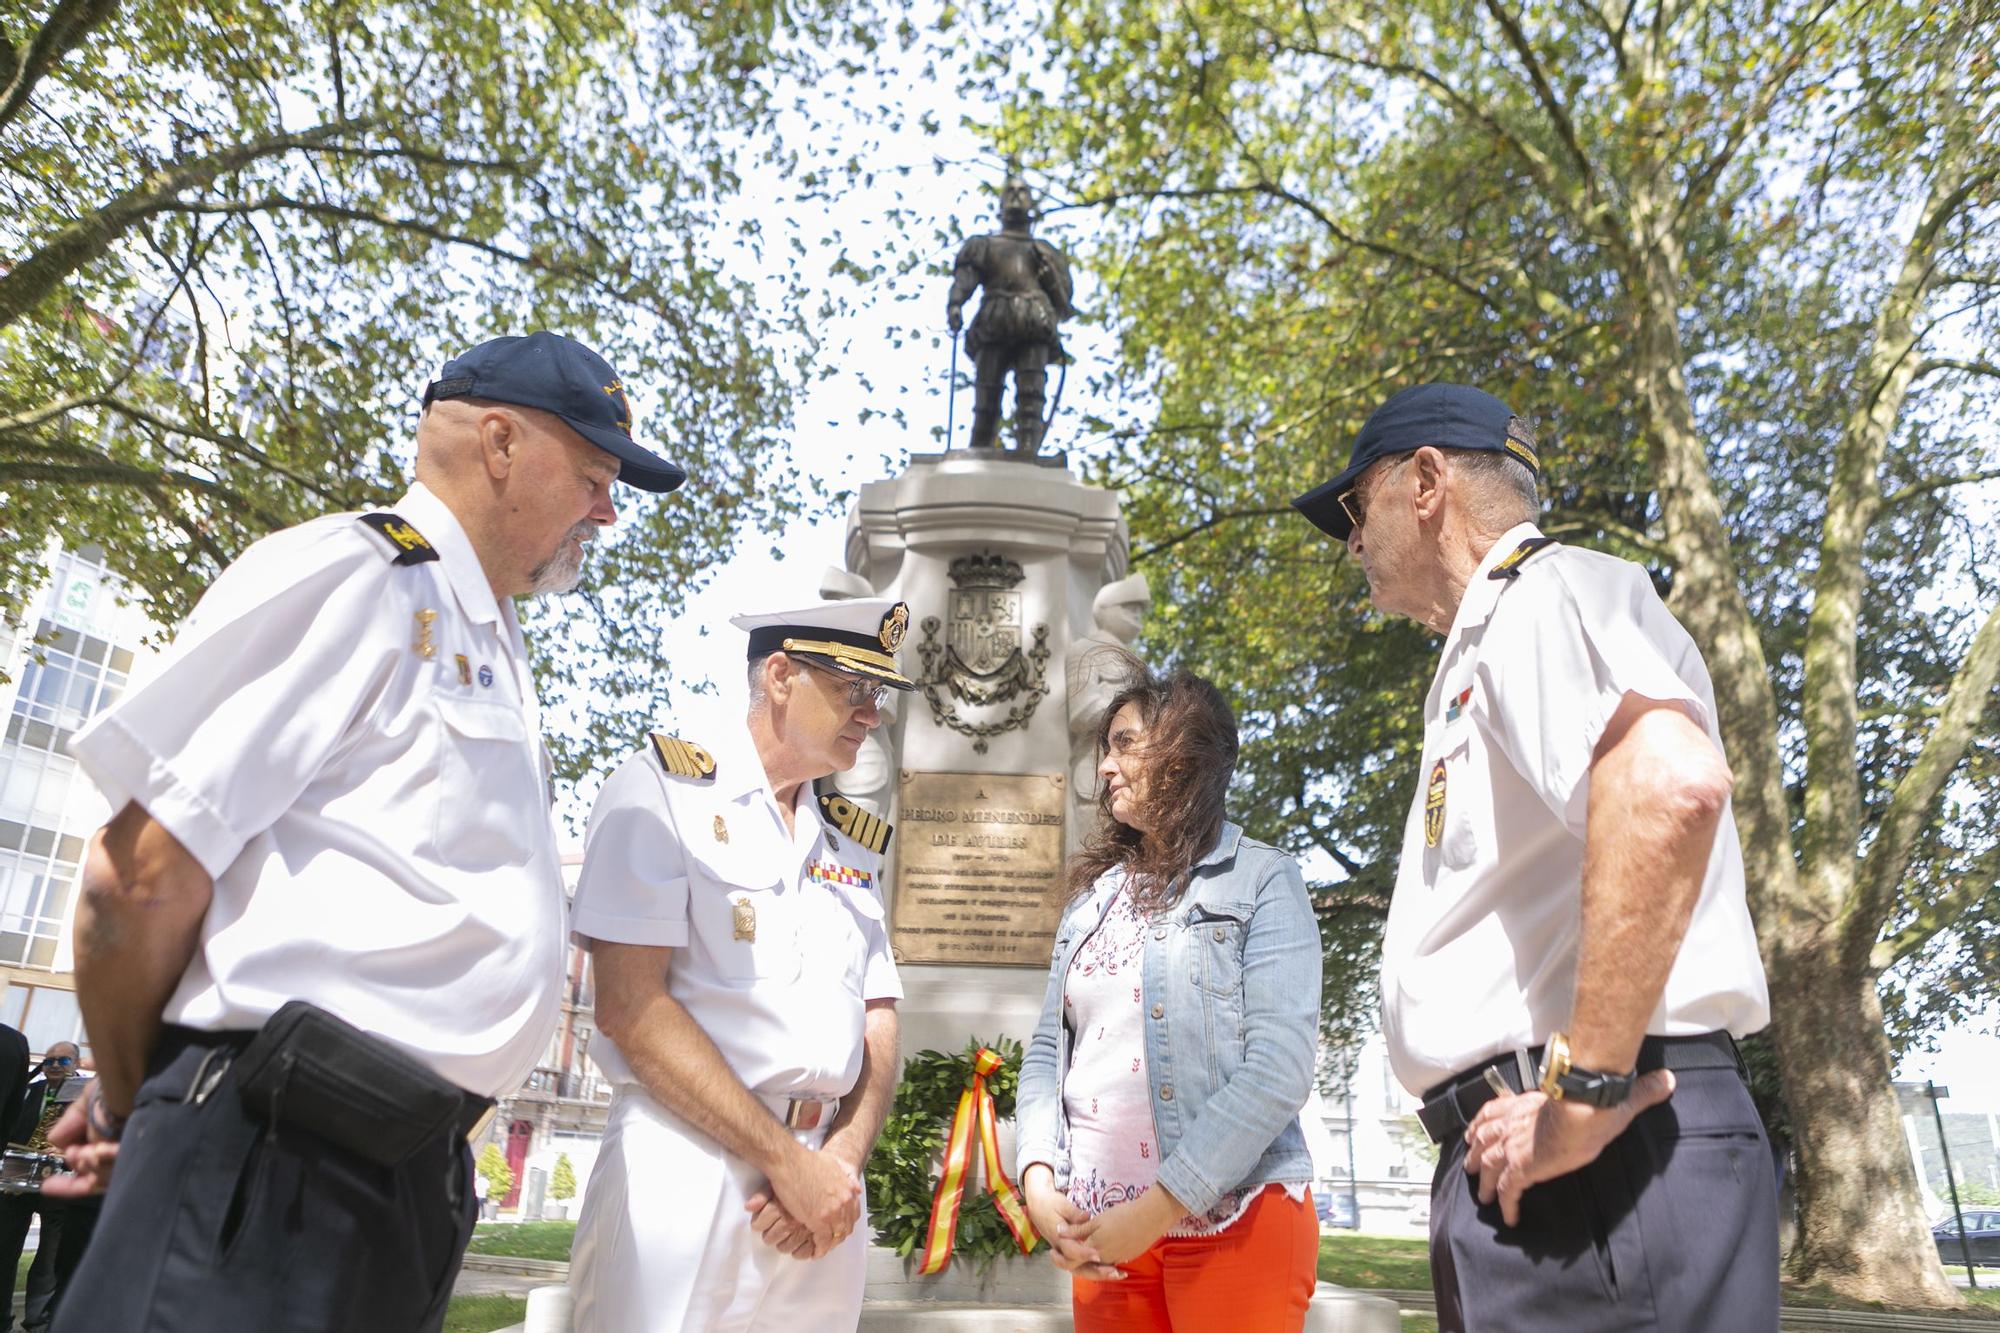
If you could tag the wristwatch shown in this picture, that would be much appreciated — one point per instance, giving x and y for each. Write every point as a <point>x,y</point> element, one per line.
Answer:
<point>1563,1081</point>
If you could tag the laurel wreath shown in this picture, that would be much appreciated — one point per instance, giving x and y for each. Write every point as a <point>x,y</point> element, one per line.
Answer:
<point>904,1168</point>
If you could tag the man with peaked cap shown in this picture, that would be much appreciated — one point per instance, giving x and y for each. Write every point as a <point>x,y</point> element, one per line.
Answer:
<point>745,985</point>
<point>1569,954</point>
<point>324,928</point>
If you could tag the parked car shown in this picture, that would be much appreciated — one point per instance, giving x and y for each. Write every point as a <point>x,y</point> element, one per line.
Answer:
<point>1982,1237</point>
<point>1335,1209</point>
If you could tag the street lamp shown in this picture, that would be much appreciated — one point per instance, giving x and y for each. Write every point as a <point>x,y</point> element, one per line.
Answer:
<point>1937,1094</point>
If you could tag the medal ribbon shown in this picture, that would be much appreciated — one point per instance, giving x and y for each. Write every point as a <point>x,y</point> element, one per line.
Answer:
<point>974,1117</point>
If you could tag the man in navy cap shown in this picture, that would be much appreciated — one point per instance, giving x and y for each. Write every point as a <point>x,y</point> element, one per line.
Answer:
<point>324,928</point>
<point>746,994</point>
<point>1569,954</point>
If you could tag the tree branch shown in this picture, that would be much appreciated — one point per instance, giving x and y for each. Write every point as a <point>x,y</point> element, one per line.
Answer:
<point>32,280</point>
<point>1888,856</point>
<point>1702,183</point>
<point>1936,364</point>
<point>1929,484</point>
<point>1552,106</point>
<point>1942,913</point>
<point>68,24</point>
<point>1212,521</point>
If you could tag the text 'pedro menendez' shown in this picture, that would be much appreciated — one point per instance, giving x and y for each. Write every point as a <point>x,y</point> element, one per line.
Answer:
<point>325,928</point>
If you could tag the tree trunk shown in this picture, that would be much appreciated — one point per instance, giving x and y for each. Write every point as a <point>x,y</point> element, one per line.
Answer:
<point>1860,1223</point>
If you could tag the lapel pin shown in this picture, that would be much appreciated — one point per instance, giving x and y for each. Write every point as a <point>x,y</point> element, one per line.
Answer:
<point>486,676</point>
<point>425,648</point>
<point>721,830</point>
<point>464,669</point>
<point>743,917</point>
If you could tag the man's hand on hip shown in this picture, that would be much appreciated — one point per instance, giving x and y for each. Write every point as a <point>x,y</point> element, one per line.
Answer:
<point>1525,1138</point>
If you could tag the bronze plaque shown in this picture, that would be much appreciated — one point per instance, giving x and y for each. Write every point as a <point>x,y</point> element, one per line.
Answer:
<point>979,866</point>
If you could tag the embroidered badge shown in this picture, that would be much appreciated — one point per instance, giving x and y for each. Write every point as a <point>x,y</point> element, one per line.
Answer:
<point>894,626</point>
<point>464,668</point>
<point>743,919</point>
<point>832,872</point>
<point>1456,705</point>
<point>721,830</point>
<point>683,759</point>
<point>871,831</point>
<point>425,648</point>
<point>409,544</point>
<point>1434,806</point>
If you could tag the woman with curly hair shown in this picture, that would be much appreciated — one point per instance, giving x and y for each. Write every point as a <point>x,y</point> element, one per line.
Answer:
<point>1158,1112</point>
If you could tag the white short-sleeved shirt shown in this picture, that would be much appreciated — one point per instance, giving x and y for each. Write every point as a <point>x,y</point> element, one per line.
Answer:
<point>1479,956</point>
<point>376,821</point>
<point>778,937</point>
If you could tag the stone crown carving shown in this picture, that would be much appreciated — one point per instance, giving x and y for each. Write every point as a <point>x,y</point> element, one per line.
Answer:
<point>986,570</point>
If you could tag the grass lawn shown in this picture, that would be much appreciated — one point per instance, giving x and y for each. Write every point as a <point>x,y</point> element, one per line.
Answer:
<point>482,1314</point>
<point>1402,1263</point>
<point>523,1240</point>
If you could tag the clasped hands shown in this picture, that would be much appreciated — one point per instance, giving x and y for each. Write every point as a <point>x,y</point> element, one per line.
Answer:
<point>1093,1247</point>
<point>1524,1138</point>
<point>810,1205</point>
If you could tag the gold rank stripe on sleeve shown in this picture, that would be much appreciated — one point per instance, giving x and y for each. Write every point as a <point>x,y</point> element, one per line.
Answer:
<point>407,542</point>
<point>871,831</point>
<point>1510,567</point>
<point>683,759</point>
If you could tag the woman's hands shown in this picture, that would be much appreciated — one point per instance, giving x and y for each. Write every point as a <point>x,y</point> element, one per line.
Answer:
<point>1122,1233</point>
<point>1058,1221</point>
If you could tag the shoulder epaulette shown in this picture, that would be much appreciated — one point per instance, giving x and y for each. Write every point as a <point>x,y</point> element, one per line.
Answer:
<point>683,759</point>
<point>1510,567</point>
<point>411,548</point>
<point>871,831</point>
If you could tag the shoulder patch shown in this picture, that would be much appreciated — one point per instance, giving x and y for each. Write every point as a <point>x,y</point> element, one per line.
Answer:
<point>871,831</point>
<point>409,544</point>
<point>682,759</point>
<point>1510,566</point>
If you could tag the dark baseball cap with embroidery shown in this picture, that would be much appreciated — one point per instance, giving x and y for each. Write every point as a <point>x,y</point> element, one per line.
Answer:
<point>1447,416</point>
<point>559,375</point>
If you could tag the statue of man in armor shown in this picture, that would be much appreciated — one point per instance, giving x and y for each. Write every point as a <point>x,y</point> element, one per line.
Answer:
<point>1028,291</point>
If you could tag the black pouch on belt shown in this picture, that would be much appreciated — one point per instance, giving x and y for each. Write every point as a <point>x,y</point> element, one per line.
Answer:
<point>310,1069</point>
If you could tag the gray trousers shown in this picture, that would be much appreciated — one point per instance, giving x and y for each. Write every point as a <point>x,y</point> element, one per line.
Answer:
<point>1673,1229</point>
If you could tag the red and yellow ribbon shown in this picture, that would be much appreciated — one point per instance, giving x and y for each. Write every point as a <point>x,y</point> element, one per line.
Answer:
<point>973,1117</point>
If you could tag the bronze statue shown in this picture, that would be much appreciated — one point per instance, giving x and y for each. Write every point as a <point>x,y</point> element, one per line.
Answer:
<point>1028,290</point>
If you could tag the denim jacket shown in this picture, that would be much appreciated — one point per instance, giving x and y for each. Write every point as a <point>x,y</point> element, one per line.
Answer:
<point>1231,980</point>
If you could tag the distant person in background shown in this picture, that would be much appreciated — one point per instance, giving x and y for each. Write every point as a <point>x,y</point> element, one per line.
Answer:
<point>13,1072</point>
<point>56,1252</point>
<point>1158,1112</point>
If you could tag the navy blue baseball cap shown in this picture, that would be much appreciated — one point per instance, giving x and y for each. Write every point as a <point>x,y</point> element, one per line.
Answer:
<point>559,375</point>
<point>1448,416</point>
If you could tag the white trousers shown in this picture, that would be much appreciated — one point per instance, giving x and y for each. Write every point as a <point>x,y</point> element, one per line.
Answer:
<point>664,1244</point>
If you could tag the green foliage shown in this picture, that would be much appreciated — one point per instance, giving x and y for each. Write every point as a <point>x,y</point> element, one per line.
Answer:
<point>492,1167</point>
<point>1394,1263</point>
<point>903,1169</point>
<point>562,1180</point>
<point>483,1314</point>
<point>241,237</point>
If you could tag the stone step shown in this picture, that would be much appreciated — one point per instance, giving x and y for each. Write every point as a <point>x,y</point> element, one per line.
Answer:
<point>1334,1310</point>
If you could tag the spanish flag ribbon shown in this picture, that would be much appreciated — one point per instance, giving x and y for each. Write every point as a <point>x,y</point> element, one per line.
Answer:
<point>973,1117</point>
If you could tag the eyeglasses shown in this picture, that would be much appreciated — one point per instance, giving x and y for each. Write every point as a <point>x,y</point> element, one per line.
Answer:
<point>1352,502</point>
<point>860,693</point>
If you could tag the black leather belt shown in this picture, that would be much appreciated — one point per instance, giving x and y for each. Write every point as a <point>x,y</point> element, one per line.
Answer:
<point>1451,1105</point>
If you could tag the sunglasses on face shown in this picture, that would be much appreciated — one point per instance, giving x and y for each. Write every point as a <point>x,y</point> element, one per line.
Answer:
<point>1353,502</point>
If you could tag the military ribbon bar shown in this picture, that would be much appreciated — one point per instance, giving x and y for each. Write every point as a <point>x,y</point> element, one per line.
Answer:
<point>974,1117</point>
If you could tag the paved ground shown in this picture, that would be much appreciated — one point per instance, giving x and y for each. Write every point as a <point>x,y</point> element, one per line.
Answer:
<point>496,1284</point>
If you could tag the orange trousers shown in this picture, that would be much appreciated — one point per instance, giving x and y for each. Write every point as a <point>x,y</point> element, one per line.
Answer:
<point>1256,1277</point>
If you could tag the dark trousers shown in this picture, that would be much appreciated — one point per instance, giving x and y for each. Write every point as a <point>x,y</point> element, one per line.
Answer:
<point>219,1221</point>
<point>1673,1229</point>
<point>66,1230</point>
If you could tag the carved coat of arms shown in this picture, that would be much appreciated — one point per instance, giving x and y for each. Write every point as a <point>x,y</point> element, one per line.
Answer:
<point>985,658</point>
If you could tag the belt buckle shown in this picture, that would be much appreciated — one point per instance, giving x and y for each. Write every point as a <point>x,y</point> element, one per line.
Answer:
<point>804,1113</point>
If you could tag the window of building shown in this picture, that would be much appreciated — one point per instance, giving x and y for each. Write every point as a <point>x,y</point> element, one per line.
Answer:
<point>44,1014</point>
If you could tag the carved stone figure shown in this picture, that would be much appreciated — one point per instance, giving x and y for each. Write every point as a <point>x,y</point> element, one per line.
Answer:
<point>1027,294</point>
<point>1100,665</point>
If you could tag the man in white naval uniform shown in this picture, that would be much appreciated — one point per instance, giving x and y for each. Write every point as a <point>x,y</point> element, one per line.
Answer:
<point>744,982</point>
<point>324,928</point>
<point>1569,953</point>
